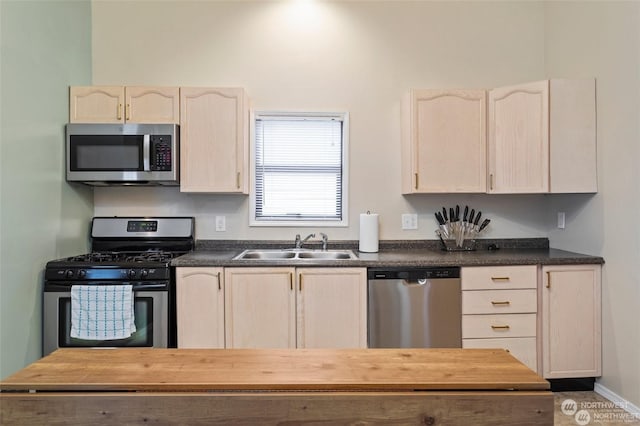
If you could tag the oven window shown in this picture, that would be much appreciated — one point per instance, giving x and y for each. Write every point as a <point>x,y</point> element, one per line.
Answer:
<point>106,152</point>
<point>142,337</point>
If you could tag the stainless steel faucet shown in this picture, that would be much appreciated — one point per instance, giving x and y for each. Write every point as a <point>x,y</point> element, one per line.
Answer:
<point>300,242</point>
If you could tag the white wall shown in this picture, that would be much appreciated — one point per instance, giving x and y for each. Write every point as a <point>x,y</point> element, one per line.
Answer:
<point>45,48</point>
<point>359,57</point>
<point>602,40</point>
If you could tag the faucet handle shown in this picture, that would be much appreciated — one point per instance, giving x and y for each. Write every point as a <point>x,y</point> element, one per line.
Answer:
<point>325,241</point>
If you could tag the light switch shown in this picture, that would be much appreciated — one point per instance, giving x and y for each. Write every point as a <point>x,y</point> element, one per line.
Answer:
<point>221,225</point>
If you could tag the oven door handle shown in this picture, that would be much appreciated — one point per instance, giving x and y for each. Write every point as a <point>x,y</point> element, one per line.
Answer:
<point>140,287</point>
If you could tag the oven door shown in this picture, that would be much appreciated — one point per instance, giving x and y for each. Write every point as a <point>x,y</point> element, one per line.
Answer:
<point>151,312</point>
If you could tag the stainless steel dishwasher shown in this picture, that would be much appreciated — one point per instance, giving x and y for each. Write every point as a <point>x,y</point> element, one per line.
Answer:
<point>414,307</point>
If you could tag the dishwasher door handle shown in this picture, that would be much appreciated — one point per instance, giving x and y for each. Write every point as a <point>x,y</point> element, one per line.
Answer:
<point>417,283</point>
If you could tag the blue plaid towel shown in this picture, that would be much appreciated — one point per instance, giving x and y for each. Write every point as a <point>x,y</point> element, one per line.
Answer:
<point>102,312</point>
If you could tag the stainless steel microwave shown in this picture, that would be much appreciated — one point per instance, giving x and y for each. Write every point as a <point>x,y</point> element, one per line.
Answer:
<point>123,154</point>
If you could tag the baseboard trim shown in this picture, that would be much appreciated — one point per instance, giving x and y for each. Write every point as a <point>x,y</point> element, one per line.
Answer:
<point>630,408</point>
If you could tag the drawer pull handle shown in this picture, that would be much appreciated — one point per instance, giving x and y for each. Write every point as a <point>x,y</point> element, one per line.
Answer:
<point>499,278</point>
<point>500,327</point>
<point>504,303</point>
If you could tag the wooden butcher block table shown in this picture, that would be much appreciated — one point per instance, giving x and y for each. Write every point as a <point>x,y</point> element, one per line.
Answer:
<point>276,386</point>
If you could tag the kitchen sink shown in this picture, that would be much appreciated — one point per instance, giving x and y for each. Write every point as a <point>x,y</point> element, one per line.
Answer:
<point>295,254</point>
<point>266,254</point>
<point>342,254</point>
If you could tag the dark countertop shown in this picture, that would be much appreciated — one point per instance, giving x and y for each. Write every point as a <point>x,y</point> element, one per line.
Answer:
<point>534,251</point>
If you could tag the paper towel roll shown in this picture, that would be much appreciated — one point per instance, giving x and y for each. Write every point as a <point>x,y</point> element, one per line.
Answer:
<point>369,233</point>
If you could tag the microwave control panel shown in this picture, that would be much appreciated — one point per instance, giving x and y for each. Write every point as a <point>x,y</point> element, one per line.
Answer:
<point>161,152</point>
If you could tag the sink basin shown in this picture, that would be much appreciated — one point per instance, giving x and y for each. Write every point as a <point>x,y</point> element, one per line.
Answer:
<point>295,255</point>
<point>326,255</point>
<point>266,254</point>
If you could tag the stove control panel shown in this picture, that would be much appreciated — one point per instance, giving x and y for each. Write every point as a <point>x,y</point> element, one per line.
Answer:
<point>106,274</point>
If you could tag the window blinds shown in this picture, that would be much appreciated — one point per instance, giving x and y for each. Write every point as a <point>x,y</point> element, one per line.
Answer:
<point>298,168</point>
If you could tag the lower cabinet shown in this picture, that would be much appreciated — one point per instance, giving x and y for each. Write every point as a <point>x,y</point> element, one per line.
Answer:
<point>200,307</point>
<point>548,317</point>
<point>331,308</point>
<point>571,321</point>
<point>260,308</point>
<point>265,307</point>
<point>499,310</point>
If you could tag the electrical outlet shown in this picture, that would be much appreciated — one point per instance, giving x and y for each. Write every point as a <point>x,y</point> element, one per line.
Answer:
<point>561,220</point>
<point>221,225</point>
<point>409,221</point>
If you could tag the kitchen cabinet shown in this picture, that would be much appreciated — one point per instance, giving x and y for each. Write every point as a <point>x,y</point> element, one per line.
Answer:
<point>542,137</point>
<point>289,307</point>
<point>260,308</point>
<point>200,307</point>
<point>444,141</point>
<point>332,308</point>
<point>499,310</point>
<point>118,104</point>
<point>214,140</point>
<point>571,321</point>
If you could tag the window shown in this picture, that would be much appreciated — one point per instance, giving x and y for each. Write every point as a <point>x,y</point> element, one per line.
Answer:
<point>299,164</point>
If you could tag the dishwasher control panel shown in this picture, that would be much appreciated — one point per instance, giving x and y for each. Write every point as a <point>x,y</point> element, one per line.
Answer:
<point>413,274</point>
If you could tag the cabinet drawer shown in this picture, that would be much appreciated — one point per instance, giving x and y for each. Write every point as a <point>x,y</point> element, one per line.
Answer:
<point>523,348</point>
<point>493,326</point>
<point>499,277</point>
<point>499,301</point>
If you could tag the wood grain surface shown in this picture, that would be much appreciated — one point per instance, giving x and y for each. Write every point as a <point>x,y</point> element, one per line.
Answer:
<point>434,408</point>
<point>172,370</point>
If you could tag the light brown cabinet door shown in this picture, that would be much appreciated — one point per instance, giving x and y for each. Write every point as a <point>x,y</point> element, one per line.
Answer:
<point>96,104</point>
<point>200,307</point>
<point>118,104</point>
<point>332,307</point>
<point>444,141</point>
<point>571,321</point>
<point>260,308</point>
<point>214,140</point>
<point>542,137</point>
<point>519,138</point>
<point>152,105</point>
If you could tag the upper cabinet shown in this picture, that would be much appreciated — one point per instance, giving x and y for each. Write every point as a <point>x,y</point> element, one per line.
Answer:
<point>118,104</point>
<point>214,140</point>
<point>444,141</point>
<point>542,137</point>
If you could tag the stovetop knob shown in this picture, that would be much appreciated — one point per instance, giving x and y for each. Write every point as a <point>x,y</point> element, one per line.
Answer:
<point>69,273</point>
<point>144,273</point>
<point>82,273</point>
<point>132,273</point>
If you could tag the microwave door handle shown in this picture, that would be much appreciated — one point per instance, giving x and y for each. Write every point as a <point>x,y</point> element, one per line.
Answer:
<point>146,156</point>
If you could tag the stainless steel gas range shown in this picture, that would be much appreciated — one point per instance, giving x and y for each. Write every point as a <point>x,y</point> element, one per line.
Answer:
<point>134,251</point>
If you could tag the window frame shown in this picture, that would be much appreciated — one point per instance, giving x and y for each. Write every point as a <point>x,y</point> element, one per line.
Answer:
<point>342,116</point>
